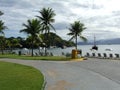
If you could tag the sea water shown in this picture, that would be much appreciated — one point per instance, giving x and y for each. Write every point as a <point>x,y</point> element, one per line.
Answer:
<point>108,49</point>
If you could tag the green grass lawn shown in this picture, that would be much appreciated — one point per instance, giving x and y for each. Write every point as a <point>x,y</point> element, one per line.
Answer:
<point>19,77</point>
<point>48,58</point>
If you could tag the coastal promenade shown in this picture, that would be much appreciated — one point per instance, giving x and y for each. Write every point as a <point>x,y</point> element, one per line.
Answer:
<point>91,74</point>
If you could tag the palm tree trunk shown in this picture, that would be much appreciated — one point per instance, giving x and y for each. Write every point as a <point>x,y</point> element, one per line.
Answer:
<point>45,51</point>
<point>46,37</point>
<point>76,42</point>
<point>75,47</point>
<point>2,51</point>
<point>32,47</point>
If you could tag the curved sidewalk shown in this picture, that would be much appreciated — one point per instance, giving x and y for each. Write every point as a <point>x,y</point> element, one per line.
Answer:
<point>91,74</point>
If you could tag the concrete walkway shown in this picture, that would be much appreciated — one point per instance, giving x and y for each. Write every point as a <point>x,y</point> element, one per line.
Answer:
<point>91,74</point>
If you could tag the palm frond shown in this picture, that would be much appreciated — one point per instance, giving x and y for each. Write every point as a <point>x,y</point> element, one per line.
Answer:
<point>71,38</point>
<point>46,18</point>
<point>32,27</point>
<point>83,38</point>
<point>76,29</point>
<point>52,27</point>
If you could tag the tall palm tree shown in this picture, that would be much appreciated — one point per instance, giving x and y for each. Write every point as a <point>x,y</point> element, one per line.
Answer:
<point>76,30</point>
<point>2,28</point>
<point>32,28</point>
<point>47,18</point>
<point>2,38</point>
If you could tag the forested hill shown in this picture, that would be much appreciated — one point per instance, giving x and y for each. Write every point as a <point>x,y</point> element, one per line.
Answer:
<point>52,40</point>
<point>55,40</point>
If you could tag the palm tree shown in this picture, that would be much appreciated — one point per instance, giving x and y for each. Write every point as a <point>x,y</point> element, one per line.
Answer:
<point>47,17</point>
<point>14,43</point>
<point>2,38</point>
<point>32,28</point>
<point>76,30</point>
<point>2,28</point>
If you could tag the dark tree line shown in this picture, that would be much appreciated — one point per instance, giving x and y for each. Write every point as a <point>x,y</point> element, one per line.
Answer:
<point>15,43</point>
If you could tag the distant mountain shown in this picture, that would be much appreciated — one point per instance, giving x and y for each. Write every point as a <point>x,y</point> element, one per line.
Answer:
<point>84,43</point>
<point>107,41</point>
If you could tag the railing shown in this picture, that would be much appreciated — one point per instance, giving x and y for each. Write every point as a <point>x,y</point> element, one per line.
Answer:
<point>103,55</point>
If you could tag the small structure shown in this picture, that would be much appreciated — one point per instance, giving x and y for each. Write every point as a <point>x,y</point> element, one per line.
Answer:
<point>93,54</point>
<point>108,49</point>
<point>87,54</point>
<point>74,54</point>
<point>104,55</point>
<point>111,55</point>
<point>24,51</point>
<point>117,56</point>
<point>99,55</point>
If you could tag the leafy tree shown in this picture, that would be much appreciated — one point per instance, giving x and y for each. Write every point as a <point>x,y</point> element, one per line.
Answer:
<point>47,18</point>
<point>36,42</point>
<point>21,42</point>
<point>12,43</point>
<point>8,44</point>
<point>76,30</point>
<point>32,28</point>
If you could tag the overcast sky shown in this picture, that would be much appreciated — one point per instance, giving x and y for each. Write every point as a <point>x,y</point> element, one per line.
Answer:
<point>101,17</point>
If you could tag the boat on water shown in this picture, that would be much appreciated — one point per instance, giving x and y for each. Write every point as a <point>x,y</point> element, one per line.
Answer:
<point>108,49</point>
<point>95,47</point>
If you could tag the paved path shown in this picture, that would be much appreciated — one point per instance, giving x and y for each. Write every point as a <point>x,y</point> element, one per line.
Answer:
<point>91,74</point>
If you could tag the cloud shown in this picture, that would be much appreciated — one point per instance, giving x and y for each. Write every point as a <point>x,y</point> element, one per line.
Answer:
<point>61,26</point>
<point>14,33</point>
<point>100,17</point>
<point>86,5</point>
<point>6,3</point>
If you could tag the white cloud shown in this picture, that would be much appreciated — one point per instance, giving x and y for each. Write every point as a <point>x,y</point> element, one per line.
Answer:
<point>101,17</point>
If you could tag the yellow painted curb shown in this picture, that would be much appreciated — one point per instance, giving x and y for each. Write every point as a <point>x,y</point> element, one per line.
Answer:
<point>79,59</point>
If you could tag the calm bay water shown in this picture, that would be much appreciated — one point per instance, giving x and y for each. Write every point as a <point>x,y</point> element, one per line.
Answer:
<point>85,48</point>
